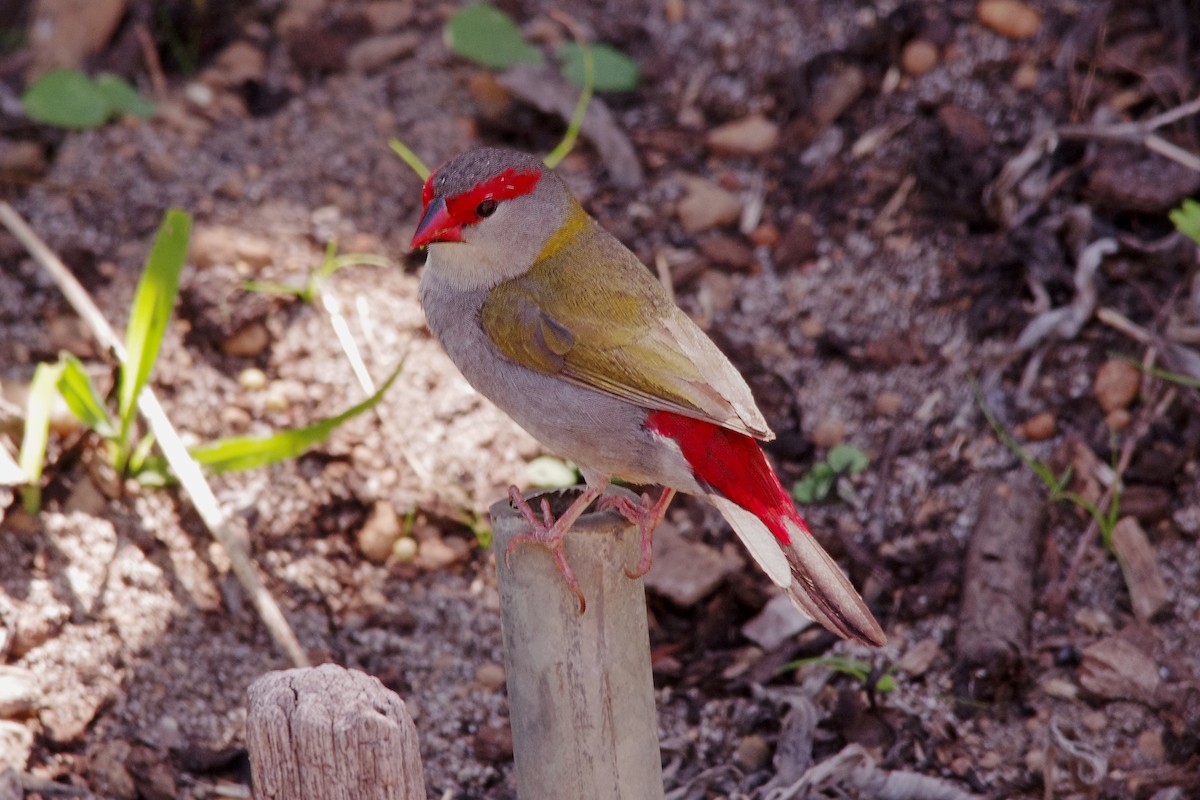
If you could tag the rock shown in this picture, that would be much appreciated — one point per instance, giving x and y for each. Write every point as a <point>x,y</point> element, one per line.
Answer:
<point>964,127</point>
<point>1011,18</point>
<point>252,379</point>
<point>220,244</point>
<point>778,621</point>
<point>379,532</point>
<point>493,743</point>
<point>1038,428</point>
<point>493,99</point>
<point>1116,385</point>
<point>1060,688</point>
<point>385,16</point>
<point>247,341</point>
<point>1094,620</point>
<point>1150,745</point>
<point>86,498</point>
<point>752,753</point>
<point>62,34</point>
<point>765,235</point>
<point>435,554</point>
<point>754,135</point>
<point>239,63</point>
<point>919,56</point>
<point>675,10</point>
<point>888,403</point>
<point>22,159</point>
<point>799,244</point>
<point>19,694</point>
<point>490,676</point>
<point>1116,669</point>
<point>16,744</point>
<point>1095,721</point>
<point>706,205</point>
<point>686,571</point>
<point>1118,420</point>
<point>828,433</point>
<point>727,251</point>
<point>917,660</point>
<point>371,54</point>
<point>405,549</point>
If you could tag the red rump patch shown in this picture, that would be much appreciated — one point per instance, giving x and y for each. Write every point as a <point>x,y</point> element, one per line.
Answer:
<point>505,186</point>
<point>733,465</point>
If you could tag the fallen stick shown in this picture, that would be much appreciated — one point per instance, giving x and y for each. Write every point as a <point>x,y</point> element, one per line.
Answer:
<point>182,464</point>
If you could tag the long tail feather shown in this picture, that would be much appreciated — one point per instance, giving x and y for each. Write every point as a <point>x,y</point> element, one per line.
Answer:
<point>813,580</point>
<point>748,493</point>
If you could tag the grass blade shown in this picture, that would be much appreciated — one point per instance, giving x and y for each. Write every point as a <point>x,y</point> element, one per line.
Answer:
<point>152,307</point>
<point>251,452</point>
<point>37,432</point>
<point>77,390</point>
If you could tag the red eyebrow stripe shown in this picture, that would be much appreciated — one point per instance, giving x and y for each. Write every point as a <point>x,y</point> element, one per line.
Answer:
<point>505,186</point>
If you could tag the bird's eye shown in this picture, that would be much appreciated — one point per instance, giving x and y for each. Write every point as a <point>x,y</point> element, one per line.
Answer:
<point>486,208</point>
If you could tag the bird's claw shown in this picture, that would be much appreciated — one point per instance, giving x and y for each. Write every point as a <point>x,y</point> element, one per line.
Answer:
<point>545,533</point>
<point>646,515</point>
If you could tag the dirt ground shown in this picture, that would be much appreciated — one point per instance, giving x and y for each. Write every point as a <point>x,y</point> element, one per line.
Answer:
<point>889,214</point>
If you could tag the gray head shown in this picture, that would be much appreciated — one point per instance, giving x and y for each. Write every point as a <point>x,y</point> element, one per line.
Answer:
<point>487,214</point>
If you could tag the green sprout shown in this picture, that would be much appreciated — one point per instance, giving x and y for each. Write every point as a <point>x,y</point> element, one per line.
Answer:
<point>842,459</point>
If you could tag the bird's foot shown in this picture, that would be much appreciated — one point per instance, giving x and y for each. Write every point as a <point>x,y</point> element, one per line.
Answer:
<point>646,516</point>
<point>548,533</point>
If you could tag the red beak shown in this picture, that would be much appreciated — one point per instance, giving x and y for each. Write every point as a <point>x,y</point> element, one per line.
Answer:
<point>436,225</point>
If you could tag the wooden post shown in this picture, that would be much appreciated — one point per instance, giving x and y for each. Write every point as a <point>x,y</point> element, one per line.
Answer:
<point>580,690</point>
<point>328,733</point>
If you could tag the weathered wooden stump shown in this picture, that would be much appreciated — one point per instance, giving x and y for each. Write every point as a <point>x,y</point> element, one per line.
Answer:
<point>580,689</point>
<point>329,733</point>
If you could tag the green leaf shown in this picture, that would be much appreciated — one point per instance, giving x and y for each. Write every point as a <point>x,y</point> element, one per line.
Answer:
<point>615,71</point>
<point>80,395</point>
<point>152,306</point>
<point>814,487</point>
<point>68,99</point>
<point>124,98</point>
<point>1187,219</point>
<point>251,452</point>
<point>548,472</point>
<point>846,458</point>
<point>488,36</point>
<point>37,432</point>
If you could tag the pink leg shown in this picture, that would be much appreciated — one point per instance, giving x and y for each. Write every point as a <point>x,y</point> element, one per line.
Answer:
<point>548,533</point>
<point>646,517</point>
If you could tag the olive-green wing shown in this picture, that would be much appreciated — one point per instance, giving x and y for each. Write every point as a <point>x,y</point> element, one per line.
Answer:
<point>616,331</point>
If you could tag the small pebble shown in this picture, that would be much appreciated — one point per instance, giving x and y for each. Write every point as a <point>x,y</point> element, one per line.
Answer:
<point>276,398</point>
<point>252,379</point>
<point>1038,428</point>
<point>490,676</point>
<point>1035,761</point>
<point>990,760</point>
<point>765,235</point>
<point>706,205</point>
<point>435,554</point>
<point>404,550</point>
<point>1095,721</point>
<point>888,403</point>
<point>751,136</point>
<point>1150,745</point>
<point>1116,384</point>
<point>379,533</point>
<point>1011,18</point>
<point>248,341</point>
<point>828,433</point>
<point>752,753</point>
<point>919,57</point>
<point>1118,420</point>
<point>812,328</point>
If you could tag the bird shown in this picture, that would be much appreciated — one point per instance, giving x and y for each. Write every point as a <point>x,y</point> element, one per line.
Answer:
<point>561,326</point>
